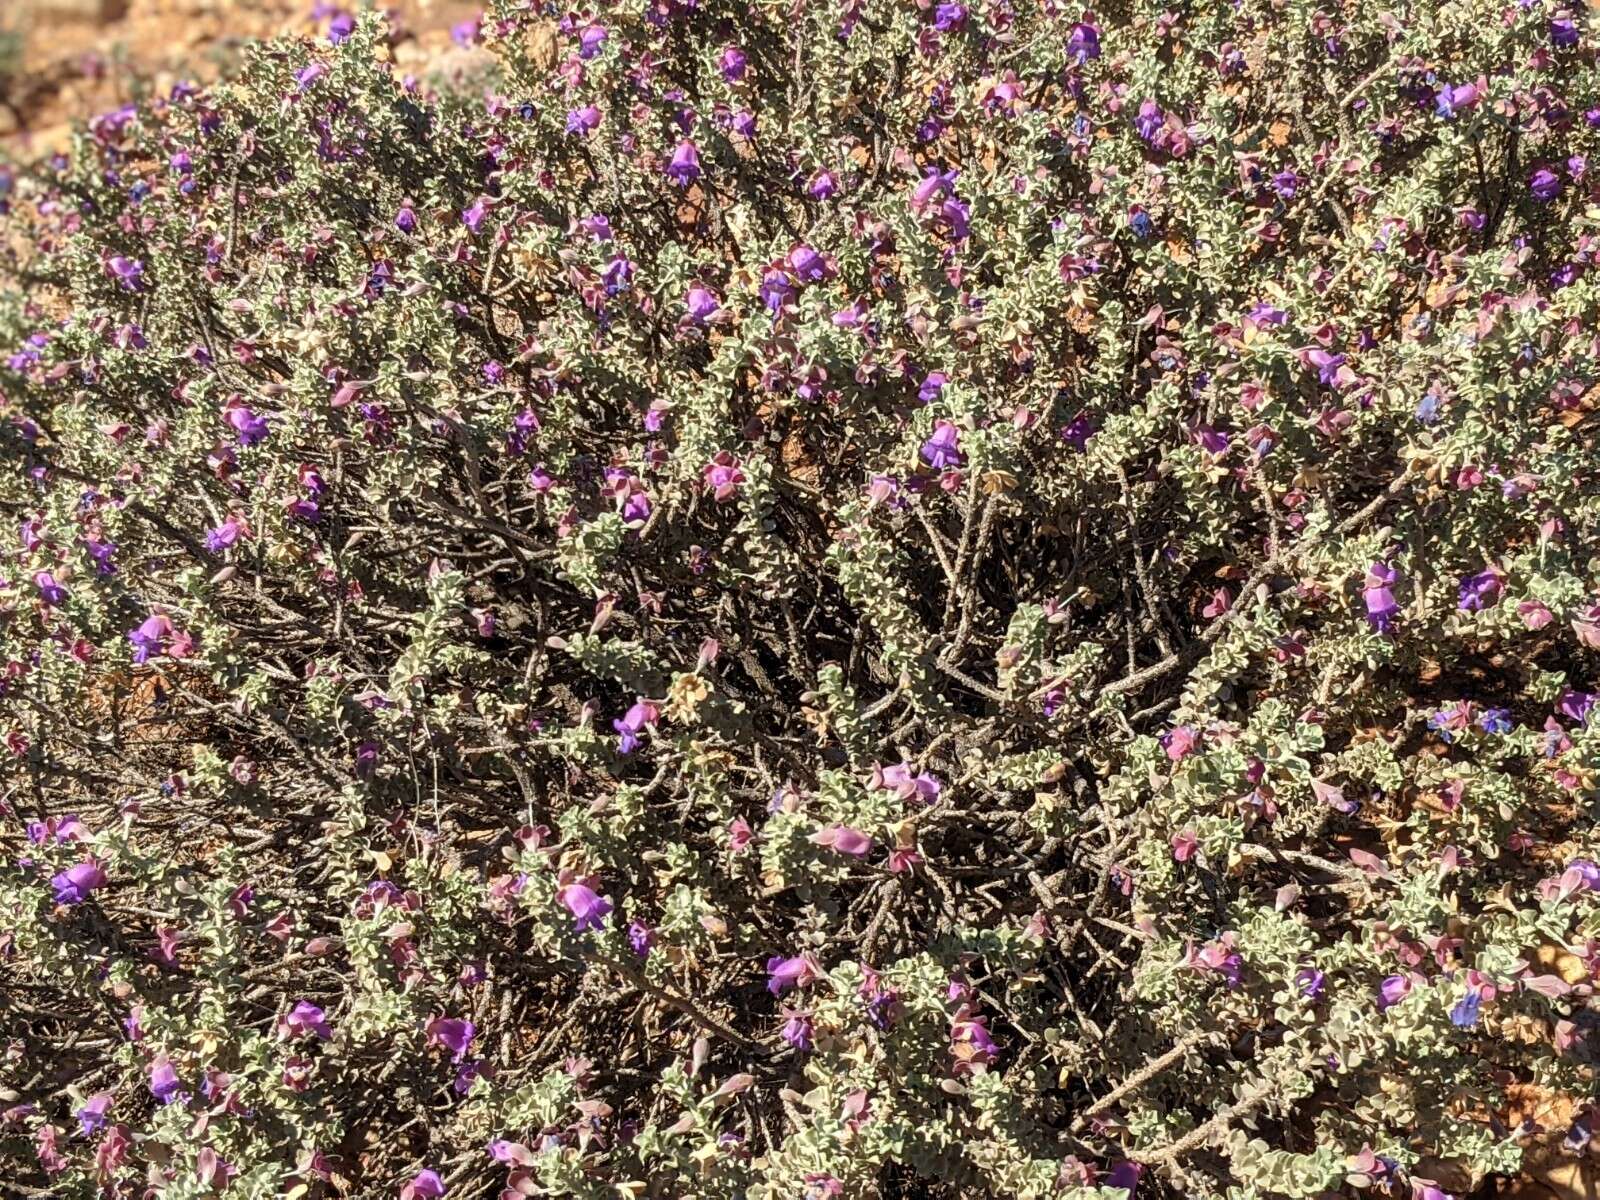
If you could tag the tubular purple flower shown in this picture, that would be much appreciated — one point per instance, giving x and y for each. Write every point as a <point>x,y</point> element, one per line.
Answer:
<point>1480,591</point>
<point>453,1033</point>
<point>305,1018</point>
<point>164,1083</point>
<point>943,450</point>
<point>77,883</point>
<point>92,1115</point>
<point>684,168</point>
<point>588,908</point>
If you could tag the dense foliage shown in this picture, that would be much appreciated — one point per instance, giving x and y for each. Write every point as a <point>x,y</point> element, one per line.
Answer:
<point>810,599</point>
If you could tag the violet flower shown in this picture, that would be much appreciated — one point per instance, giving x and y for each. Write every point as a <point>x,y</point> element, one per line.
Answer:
<point>77,883</point>
<point>588,908</point>
<point>942,451</point>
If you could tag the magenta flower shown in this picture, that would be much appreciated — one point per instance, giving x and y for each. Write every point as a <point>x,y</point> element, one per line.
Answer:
<point>588,908</point>
<point>907,783</point>
<point>425,1185</point>
<point>723,476</point>
<point>77,883</point>
<point>305,1018</point>
<point>472,217</point>
<point>943,450</point>
<point>785,973</point>
<point>1179,743</point>
<point>453,1033</point>
<point>1586,625</point>
<point>844,839</point>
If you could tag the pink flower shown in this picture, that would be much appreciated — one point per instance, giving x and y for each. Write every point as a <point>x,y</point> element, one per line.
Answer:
<point>845,840</point>
<point>1587,626</point>
<point>1179,743</point>
<point>723,476</point>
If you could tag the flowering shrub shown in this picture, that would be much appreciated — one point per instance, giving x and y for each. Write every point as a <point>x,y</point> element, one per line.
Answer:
<point>811,600</point>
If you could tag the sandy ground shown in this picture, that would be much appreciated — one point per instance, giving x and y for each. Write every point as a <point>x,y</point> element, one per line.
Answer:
<point>82,57</point>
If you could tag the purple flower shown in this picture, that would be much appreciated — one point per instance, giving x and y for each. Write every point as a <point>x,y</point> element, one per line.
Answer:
<point>1479,591</point>
<point>684,168</point>
<point>633,722</point>
<point>76,883</point>
<point>808,266</point>
<point>223,536</point>
<point>776,290</point>
<point>1545,185</point>
<point>943,450</point>
<point>932,384</point>
<point>641,938</point>
<point>799,1031</point>
<point>1452,100</point>
<point>92,1116</point>
<point>1149,120</point>
<point>472,217</point>
<point>702,304</point>
<point>1575,705</point>
<point>50,591</point>
<point>1495,720</point>
<point>1083,43</point>
<point>455,1034</point>
<point>406,219</point>
<point>425,1185</point>
<point>583,120</point>
<point>591,40</point>
<point>949,16</point>
<point>587,907</point>
<point>1286,184</point>
<point>1563,31</point>
<point>1465,1013</point>
<point>305,1018</point>
<point>1330,367</point>
<point>1311,982</point>
<point>128,271</point>
<point>247,423</point>
<point>785,973</point>
<point>147,639</point>
<point>1380,601</point>
<point>1392,990</point>
<point>164,1083</point>
<point>732,64</point>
